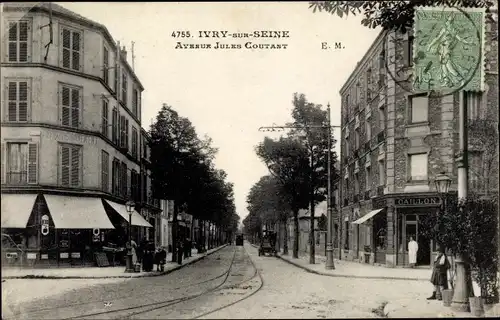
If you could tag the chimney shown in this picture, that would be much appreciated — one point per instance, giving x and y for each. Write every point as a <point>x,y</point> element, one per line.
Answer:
<point>124,52</point>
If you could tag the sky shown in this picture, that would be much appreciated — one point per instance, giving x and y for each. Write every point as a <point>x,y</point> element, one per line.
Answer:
<point>229,94</point>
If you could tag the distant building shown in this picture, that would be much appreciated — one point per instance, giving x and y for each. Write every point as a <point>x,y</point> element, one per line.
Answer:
<point>393,144</point>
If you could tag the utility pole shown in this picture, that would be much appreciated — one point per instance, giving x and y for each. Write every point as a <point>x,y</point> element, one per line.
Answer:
<point>329,247</point>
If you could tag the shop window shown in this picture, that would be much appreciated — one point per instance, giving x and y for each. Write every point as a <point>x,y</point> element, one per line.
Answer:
<point>411,231</point>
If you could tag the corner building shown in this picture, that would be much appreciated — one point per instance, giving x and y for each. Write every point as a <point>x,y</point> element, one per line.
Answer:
<point>394,143</point>
<point>70,137</point>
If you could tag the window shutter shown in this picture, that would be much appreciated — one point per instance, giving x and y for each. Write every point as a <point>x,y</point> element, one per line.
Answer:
<point>12,104</point>
<point>12,51</point>
<point>66,48</point>
<point>65,165</point>
<point>23,41</point>
<point>75,167</point>
<point>75,46</point>
<point>32,163</point>
<point>2,170</point>
<point>65,106</point>
<point>75,108</point>
<point>23,101</point>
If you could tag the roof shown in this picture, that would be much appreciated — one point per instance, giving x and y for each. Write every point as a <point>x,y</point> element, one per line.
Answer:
<point>62,12</point>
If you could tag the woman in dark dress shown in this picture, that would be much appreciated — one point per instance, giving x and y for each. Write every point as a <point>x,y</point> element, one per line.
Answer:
<point>439,277</point>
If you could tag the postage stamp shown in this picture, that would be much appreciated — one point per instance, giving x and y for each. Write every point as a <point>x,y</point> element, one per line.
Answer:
<point>448,49</point>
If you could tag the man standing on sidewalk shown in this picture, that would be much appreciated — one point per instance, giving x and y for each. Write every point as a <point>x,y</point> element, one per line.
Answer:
<point>412,252</point>
<point>439,276</point>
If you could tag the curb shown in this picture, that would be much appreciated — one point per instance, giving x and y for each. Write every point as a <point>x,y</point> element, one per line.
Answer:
<point>147,275</point>
<point>343,275</point>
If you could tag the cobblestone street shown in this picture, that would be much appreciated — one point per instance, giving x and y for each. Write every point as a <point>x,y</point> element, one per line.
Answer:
<point>199,289</point>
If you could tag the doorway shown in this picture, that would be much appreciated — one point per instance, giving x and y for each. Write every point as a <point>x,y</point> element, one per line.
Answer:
<point>413,226</point>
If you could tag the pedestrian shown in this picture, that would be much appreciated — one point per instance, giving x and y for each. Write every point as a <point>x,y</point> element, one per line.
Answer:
<point>133,248</point>
<point>180,251</point>
<point>412,252</point>
<point>439,278</point>
<point>160,257</point>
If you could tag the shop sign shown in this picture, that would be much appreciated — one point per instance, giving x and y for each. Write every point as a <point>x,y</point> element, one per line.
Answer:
<point>75,255</point>
<point>64,244</point>
<point>71,137</point>
<point>31,256</point>
<point>44,256</point>
<point>418,201</point>
<point>64,255</point>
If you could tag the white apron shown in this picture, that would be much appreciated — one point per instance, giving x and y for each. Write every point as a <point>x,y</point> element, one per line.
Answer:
<point>412,252</point>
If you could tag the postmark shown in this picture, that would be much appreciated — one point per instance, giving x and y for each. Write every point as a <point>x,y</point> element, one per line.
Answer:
<point>447,52</point>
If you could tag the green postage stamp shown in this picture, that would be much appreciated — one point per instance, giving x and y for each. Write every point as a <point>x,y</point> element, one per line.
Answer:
<point>448,49</point>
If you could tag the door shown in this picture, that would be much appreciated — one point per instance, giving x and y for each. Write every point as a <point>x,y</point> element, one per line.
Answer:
<point>424,245</point>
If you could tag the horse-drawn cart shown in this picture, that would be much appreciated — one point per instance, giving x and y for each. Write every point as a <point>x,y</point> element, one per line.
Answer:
<point>268,243</point>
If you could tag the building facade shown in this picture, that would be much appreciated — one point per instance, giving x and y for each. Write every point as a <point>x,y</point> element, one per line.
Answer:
<point>70,135</point>
<point>394,143</point>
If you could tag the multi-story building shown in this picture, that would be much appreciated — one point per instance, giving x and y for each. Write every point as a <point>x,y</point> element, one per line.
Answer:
<point>394,143</point>
<point>70,134</point>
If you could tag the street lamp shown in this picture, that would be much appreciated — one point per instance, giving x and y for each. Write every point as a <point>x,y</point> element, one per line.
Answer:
<point>130,208</point>
<point>442,183</point>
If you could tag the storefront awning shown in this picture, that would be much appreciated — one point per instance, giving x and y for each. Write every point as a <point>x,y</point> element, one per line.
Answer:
<point>367,216</point>
<point>16,209</point>
<point>77,212</point>
<point>137,219</point>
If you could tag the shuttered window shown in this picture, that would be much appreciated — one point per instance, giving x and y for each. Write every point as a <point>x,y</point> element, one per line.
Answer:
<point>70,165</point>
<point>124,88</point>
<point>114,125</point>
<point>123,130</point>
<point>124,180</point>
<point>134,142</point>
<point>127,129</point>
<point>70,106</point>
<point>117,87</point>
<point>105,115</point>
<point>71,49</point>
<point>105,171</point>
<point>18,41</point>
<point>115,179</point>
<point>135,102</point>
<point>18,93</point>
<point>105,67</point>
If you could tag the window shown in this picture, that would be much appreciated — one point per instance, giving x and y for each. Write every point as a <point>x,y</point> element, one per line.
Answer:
<point>134,142</point>
<point>115,179</point>
<point>22,163</point>
<point>368,130</point>
<point>368,177</point>
<point>117,85</point>
<point>105,171</point>
<point>474,101</point>
<point>19,41</point>
<point>124,180</point>
<point>347,147</point>
<point>381,118</point>
<point>476,170</point>
<point>134,185</point>
<point>70,106</point>
<point>18,100</point>
<point>418,167</point>
<point>381,173</point>
<point>368,84</point>
<point>105,66</point>
<point>70,165</point>
<point>356,184</point>
<point>408,52</point>
<point>124,88</point>
<point>356,139</point>
<point>419,108</point>
<point>114,125</point>
<point>124,132</point>
<point>105,114</point>
<point>135,102</point>
<point>71,49</point>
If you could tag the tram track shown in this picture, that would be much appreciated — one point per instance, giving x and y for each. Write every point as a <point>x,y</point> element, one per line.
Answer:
<point>37,313</point>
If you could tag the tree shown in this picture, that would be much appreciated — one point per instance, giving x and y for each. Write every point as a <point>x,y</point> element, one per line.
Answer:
<point>288,161</point>
<point>311,127</point>
<point>268,200</point>
<point>390,15</point>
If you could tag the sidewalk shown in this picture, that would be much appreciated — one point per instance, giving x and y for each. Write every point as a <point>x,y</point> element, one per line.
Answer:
<point>422,308</point>
<point>351,269</point>
<point>99,273</point>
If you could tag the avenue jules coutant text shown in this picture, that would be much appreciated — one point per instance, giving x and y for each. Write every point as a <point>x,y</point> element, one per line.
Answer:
<point>226,40</point>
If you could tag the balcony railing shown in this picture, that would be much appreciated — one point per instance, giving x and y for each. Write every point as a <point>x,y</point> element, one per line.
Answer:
<point>380,190</point>
<point>17,178</point>
<point>367,195</point>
